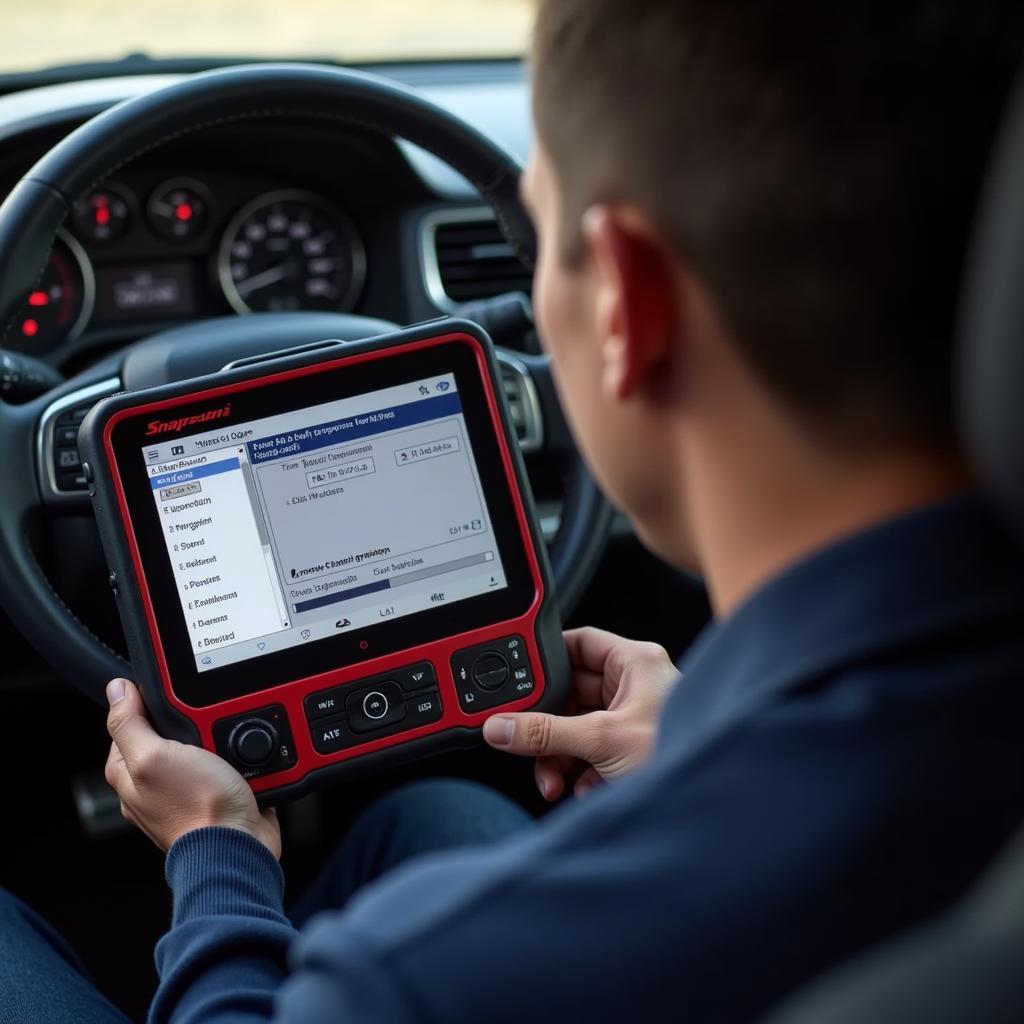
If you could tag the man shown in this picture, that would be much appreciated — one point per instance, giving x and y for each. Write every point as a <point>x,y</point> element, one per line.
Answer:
<point>751,218</point>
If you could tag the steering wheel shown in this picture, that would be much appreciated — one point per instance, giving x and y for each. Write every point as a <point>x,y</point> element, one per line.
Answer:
<point>35,209</point>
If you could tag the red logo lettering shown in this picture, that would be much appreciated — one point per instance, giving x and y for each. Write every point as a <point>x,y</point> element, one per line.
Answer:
<point>174,426</point>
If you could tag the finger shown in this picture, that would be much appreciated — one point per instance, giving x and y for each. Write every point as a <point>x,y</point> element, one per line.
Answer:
<point>114,764</point>
<point>608,655</point>
<point>114,758</point>
<point>115,771</point>
<point>590,648</point>
<point>538,735</point>
<point>126,722</point>
<point>586,782</point>
<point>550,785</point>
<point>549,773</point>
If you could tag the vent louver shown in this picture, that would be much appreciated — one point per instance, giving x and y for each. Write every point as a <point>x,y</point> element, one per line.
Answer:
<point>474,261</point>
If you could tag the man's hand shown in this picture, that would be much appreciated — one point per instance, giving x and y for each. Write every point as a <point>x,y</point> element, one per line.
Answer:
<point>618,689</point>
<point>169,788</point>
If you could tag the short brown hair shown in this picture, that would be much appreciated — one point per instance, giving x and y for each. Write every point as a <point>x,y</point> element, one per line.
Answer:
<point>817,163</point>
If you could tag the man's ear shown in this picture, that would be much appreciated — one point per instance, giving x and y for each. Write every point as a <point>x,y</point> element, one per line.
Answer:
<point>637,316</point>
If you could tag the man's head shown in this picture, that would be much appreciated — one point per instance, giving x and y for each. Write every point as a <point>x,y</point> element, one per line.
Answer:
<point>792,180</point>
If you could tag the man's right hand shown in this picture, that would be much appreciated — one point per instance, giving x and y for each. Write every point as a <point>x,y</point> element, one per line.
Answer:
<point>618,688</point>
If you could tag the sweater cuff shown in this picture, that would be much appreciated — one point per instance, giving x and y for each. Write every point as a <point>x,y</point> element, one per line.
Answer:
<point>223,871</point>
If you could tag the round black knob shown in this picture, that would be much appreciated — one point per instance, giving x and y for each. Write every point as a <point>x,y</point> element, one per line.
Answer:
<point>490,671</point>
<point>252,742</point>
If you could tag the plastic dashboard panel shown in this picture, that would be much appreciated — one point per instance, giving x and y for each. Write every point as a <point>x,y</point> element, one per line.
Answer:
<point>538,624</point>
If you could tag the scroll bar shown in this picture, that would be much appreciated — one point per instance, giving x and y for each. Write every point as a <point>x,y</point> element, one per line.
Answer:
<point>261,529</point>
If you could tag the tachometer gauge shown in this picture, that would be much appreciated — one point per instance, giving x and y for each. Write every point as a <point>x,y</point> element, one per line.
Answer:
<point>102,215</point>
<point>291,250</point>
<point>60,305</point>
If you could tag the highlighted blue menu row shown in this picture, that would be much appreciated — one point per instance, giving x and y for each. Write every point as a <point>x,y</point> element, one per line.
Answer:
<point>323,435</point>
<point>183,476</point>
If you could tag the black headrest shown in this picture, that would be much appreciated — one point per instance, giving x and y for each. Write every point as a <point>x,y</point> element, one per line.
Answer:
<point>990,367</point>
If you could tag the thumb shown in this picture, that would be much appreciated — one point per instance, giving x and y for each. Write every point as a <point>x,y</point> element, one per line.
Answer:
<point>126,721</point>
<point>537,735</point>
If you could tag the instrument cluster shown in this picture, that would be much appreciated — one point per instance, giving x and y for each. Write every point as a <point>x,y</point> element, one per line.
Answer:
<point>130,255</point>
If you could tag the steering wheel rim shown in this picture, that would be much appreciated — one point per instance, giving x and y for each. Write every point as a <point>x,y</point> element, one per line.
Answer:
<point>39,203</point>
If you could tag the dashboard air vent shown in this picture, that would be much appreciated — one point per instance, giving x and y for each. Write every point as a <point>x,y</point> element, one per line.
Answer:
<point>474,261</point>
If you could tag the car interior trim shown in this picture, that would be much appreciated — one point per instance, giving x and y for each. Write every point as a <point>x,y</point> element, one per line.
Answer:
<point>52,493</point>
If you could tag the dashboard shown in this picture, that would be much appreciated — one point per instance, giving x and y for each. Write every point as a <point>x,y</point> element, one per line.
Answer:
<point>269,216</point>
<point>139,253</point>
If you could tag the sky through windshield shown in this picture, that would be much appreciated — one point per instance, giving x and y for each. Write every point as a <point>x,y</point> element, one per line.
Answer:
<point>38,35</point>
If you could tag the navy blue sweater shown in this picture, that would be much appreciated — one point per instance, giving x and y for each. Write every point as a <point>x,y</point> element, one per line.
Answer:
<point>842,756</point>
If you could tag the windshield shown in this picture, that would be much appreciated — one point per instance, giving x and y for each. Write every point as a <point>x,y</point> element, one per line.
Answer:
<point>37,35</point>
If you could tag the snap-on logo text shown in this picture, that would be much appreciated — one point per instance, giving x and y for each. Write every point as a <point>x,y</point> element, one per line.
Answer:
<point>173,426</point>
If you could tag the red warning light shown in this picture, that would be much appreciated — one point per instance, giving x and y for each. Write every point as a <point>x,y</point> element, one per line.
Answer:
<point>30,328</point>
<point>183,211</point>
<point>39,298</point>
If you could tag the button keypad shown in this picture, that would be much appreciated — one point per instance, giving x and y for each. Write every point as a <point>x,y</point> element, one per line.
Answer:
<point>494,673</point>
<point>365,709</point>
<point>66,460</point>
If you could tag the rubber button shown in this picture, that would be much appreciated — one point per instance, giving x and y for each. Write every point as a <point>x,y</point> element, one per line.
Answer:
<point>420,676</point>
<point>68,458</point>
<point>331,735</point>
<point>258,742</point>
<point>421,709</point>
<point>490,671</point>
<point>252,742</point>
<point>325,703</point>
<point>375,705</point>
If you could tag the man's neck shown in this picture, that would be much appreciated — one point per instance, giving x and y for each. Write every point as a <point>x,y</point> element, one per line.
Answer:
<point>758,508</point>
<point>756,488</point>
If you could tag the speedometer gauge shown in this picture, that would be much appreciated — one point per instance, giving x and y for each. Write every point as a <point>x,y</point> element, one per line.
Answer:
<point>291,250</point>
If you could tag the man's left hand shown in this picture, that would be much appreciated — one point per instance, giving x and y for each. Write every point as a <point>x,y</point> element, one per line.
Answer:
<point>169,788</point>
